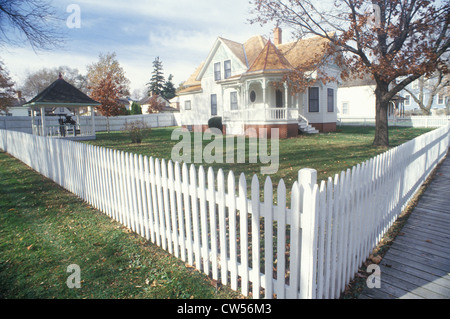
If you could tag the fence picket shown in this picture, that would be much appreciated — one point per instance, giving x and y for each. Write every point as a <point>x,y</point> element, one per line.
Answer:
<point>165,198</point>
<point>155,202</point>
<point>139,192</point>
<point>243,243</point>
<point>220,200</point>
<point>231,202</point>
<point>173,211</point>
<point>203,218</point>
<point>179,195</point>
<point>255,238</point>
<point>295,251</point>
<point>211,193</point>
<point>143,195</point>
<point>160,206</point>
<point>149,200</point>
<point>187,214</point>
<point>281,240</point>
<point>268,238</point>
<point>195,216</point>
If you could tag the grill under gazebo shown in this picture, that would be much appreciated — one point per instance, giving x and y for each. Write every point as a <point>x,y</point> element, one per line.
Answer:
<point>63,95</point>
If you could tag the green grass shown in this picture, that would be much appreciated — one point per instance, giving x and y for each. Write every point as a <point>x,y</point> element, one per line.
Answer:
<point>328,153</point>
<point>44,229</point>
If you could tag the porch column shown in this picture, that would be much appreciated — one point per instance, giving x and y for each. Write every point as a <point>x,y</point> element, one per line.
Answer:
<point>32,121</point>
<point>264,84</point>
<point>43,120</point>
<point>286,99</point>
<point>92,120</point>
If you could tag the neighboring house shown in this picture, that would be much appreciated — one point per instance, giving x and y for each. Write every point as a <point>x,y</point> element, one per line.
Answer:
<point>356,99</point>
<point>434,93</point>
<point>17,108</point>
<point>126,102</point>
<point>145,103</point>
<point>240,83</point>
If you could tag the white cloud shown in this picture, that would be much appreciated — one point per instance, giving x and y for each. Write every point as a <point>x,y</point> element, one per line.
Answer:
<point>180,32</point>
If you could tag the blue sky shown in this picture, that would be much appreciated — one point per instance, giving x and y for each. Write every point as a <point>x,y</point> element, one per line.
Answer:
<point>180,32</point>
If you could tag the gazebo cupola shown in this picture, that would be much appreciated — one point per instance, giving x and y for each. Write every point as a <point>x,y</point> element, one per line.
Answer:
<point>61,95</point>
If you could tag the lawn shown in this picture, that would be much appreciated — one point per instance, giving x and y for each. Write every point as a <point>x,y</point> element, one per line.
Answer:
<point>44,229</point>
<point>328,153</point>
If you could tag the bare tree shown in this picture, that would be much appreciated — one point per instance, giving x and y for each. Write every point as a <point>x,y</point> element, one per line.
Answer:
<point>396,41</point>
<point>35,82</point>
<point>32,21</point>
<point>428,89</point>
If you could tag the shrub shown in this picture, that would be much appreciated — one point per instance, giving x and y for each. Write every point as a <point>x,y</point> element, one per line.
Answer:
<point>137,130</point>
<point>215,122</point>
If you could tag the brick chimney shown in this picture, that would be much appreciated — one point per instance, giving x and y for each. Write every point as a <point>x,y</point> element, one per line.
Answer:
<point>278,36</point>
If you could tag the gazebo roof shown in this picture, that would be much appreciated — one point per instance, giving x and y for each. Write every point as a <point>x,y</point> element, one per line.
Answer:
<point>61,93</point>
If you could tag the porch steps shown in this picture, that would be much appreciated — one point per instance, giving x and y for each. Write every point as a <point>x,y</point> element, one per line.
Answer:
<point>307,128</point>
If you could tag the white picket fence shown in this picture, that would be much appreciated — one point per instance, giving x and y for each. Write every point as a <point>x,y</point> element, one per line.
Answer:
<point>412,121</point>
<point>311,249</point>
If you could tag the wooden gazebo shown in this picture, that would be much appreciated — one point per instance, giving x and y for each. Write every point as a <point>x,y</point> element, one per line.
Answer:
<point>61,95</point>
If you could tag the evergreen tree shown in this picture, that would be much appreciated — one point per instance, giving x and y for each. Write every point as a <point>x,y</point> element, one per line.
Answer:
<point>169,90</point>
<point>135,109</point>
<point>156,84</point>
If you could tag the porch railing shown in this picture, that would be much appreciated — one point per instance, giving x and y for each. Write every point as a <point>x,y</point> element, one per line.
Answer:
<point>263,114</point>
<point>64,131</point>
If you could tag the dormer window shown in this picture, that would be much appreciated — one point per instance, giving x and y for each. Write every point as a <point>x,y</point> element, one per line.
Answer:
<point>227,67</point>
<point>217,73</point>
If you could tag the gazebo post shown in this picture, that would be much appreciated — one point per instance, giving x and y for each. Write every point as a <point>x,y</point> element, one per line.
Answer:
<point>93,120</point>
<point>43,120</point>
<point>32,121</point>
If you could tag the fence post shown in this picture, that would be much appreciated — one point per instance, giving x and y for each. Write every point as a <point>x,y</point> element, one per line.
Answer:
<point>307,179</point>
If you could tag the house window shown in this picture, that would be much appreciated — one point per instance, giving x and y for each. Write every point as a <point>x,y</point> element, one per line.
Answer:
<point>330,100</point>
<point>233,101</point>
<point>252,96</point>
<point>213,104</point>
<point>440,99</point>
<point>344,108</point>
<point>407,99</point>
<point>227,66</point>
<point>278,98</point>
<point>187,105</point>
<point>217,73</point>
<point>313,98</point>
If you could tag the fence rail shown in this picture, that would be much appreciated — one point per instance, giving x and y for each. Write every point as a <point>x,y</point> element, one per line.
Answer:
<point>413,121</point>
<point>311,249</point>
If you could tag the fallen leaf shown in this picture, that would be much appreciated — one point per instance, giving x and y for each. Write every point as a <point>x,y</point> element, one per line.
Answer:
<point>376,259</point>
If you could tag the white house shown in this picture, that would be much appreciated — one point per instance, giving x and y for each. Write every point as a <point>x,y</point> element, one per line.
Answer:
<point>356,100</point>
<point>145,103</point>
<point>244,83</point>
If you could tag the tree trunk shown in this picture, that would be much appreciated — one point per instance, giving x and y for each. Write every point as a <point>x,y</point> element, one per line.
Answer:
<point>381,116</point>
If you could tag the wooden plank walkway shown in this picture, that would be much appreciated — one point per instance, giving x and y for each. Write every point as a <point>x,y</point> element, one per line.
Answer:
<point>417,266</point>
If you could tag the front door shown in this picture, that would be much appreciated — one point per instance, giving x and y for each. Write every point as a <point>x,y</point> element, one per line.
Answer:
<point>279,98</point>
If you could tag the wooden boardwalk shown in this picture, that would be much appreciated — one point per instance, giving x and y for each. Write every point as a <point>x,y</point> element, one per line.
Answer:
<point>418,263</point>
